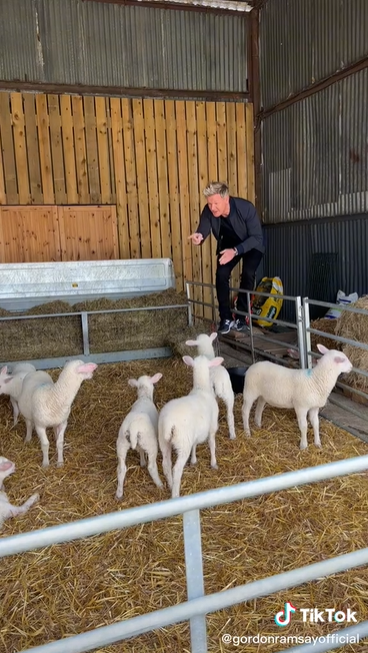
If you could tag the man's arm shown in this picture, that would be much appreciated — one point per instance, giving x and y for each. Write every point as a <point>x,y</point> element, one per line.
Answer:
<point>204,227</point>
<point>249,214</point>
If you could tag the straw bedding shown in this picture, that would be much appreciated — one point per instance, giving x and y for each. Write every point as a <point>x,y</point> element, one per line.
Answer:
<point>62,336</point>
<point>66,589</point>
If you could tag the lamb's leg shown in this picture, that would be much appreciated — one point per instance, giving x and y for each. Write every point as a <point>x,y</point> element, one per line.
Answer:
<point>14,403</point>
<point>166,463</point>
<point>152,468</point>
<point>41,432</point>
<point>20,510</point>
<point>142,457</point>
<point>227,396</point>
<point>230,417</point>
<point>248,402</point>
<point>212,445</point>
<point>182,458</point>
<point>29,425</point>
<point>193,459</point>
<point>301,414</point>
<point>121,471</point>
<point>259,411</point>
<point>314,420</point>
<point>60,430</point>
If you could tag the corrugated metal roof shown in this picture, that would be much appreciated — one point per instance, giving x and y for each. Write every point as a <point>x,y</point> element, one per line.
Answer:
<point>304,41</point>
<point>315,154</point>
<point>101,44</point>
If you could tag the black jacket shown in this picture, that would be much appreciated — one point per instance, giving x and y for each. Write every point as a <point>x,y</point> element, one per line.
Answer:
<point>245,222</point>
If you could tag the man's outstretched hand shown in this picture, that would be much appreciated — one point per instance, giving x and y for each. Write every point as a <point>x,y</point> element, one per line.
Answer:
<point>196,238</point>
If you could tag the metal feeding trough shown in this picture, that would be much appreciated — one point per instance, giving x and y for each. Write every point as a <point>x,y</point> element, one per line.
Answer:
<point>237,375</point>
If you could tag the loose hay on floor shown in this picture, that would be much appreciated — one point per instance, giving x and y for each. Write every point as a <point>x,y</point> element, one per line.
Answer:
<point>62,336</point>
<point>63,590</point>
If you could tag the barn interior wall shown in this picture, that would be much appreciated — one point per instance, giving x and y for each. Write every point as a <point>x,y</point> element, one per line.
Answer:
<point>315,149</point>
<point>150,158</point>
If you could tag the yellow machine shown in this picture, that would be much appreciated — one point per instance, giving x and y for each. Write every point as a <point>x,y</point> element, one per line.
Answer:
<point>265,307</point>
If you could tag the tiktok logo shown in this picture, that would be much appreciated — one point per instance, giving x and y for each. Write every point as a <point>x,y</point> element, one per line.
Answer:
<point>283,617</point>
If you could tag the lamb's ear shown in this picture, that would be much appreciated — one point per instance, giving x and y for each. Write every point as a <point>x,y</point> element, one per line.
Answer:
<point>322,349</point>
<point>5,466</point>
<point>4,370</point>
<point>216,361</point>
<point>156,377</point>
<point>188,360</point>
<point>213,336</point>
<point>10,378</point>
<point>191,343</point>
<point>87,368</point>
<point>133,383</point>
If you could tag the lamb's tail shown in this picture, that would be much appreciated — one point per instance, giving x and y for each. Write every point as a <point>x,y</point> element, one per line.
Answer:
<point>138,426</point>
<point>166,432</point>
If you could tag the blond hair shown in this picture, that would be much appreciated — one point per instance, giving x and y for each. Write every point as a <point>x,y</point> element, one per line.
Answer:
<point>216,188</point>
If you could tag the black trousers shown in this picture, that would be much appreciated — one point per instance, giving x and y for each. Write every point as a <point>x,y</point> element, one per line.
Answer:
<point>251,261</point>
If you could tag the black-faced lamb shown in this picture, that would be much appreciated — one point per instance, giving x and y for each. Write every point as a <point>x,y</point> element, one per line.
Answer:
<point>306,391</point>
<point>185,422</point>
<point>139,431</point>
<point>219,375</point>
<point>7,510</point>
<point>44,403</point>
<point>11,384</point>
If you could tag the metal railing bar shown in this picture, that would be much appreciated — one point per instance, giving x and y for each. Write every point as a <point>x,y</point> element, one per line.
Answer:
<point>200,283</point>
<point>84,317</point>
<point>264,294</point>
<point>194,576</point>
<point>110,310</point>
<point>106,635</point>
<point>197,301</point>
<point>170,508</point>
<point>351,409</point>
<point>347,341</point>
<point>351,389</point>
<point>252,292</point>
<point>340,307</point>
<point>357,370</point>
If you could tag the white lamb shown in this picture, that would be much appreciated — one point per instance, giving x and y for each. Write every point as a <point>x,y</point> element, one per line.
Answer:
<point>139,431</point>
<point>11,384</point>
<point>304,390</point>
<point>187,421</point>
<point>43,403</point>
<point>219,375</point>
<point>7,510</point>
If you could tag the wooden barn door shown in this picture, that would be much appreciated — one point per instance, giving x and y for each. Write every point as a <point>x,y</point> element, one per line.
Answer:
<point>88,233</point>
<point>31,234</point>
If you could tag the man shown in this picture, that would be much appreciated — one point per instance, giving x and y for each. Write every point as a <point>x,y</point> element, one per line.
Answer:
<point>236,226</point>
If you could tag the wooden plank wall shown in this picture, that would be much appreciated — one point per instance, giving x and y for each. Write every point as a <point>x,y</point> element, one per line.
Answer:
<point>29,234</point>
<point>151,158</point>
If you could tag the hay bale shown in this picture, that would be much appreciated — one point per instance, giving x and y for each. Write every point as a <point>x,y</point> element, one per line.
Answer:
<point>62,336</point>
<point>176,340</point>
<point>355,327</point>
<point>42,338</point>
<point>327,326</point>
